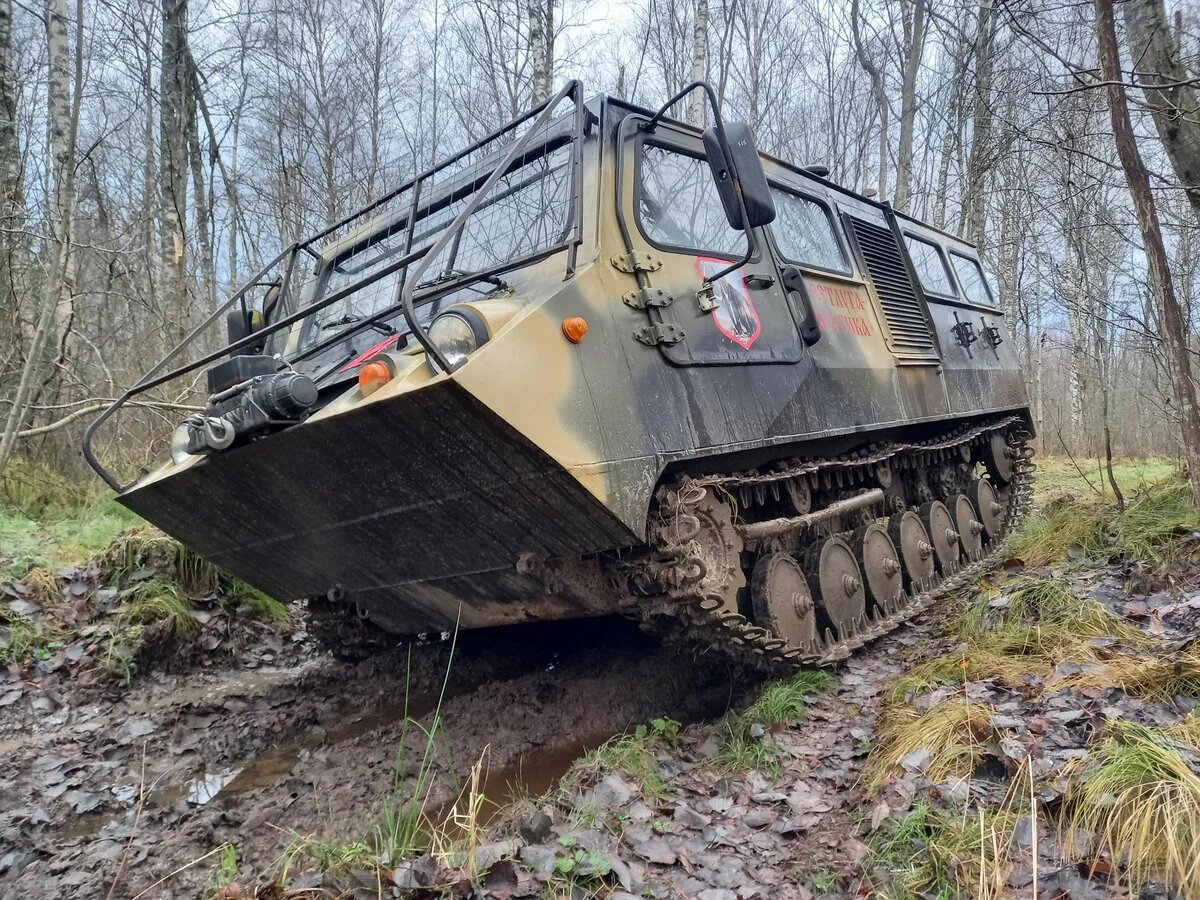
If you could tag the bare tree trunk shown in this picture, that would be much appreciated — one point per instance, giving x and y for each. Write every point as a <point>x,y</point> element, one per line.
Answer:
<point>537,48</point>
<point>58,295</point>
<point>1169,89</point>
<point>979,159</point>
<point>1174,333</point>
<point>10,150</point>
<point>173,171</point>
<point>878,92</point>
<point>12,202</point>
<point>697,105</point>
<point>913,15</point>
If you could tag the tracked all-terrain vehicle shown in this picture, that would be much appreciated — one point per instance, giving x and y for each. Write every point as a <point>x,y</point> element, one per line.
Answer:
<point>600,362</point>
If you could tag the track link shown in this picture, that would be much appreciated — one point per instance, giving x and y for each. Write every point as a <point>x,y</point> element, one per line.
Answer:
<point>704,621</point>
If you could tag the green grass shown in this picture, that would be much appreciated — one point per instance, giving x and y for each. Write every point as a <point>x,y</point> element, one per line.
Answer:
<point>745,741</point>
<point>631,755</point>
<point>1057,475</point>
<point>1139,794</point>
<point>162,605</point>
<point>1155,527</point>
<point>944,854</point>
<point>954,732</point>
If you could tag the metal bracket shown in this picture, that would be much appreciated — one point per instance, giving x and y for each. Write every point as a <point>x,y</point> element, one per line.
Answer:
<point>706,297</point>
<point>653,335</point>
<point>991,336</point>
<point>964,334</point>
<point>647,297</point>
<point>636,261</point>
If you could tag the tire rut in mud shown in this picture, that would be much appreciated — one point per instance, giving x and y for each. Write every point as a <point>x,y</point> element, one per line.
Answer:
<point>251,756</point>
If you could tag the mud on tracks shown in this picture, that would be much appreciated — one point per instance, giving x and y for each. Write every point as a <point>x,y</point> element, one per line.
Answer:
<point>146,781</point>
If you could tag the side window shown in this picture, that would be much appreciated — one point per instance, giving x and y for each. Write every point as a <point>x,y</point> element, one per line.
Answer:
<point>930,265</point>
<point>804,232</point>
<point>971,279</point>
<point>679,205</point>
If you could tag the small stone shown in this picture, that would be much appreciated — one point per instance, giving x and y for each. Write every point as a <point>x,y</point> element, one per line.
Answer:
<point>717,894</point>
<point>534,828</point>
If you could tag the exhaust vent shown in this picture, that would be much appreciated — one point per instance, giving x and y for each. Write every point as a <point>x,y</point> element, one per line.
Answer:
<point>908,328</point>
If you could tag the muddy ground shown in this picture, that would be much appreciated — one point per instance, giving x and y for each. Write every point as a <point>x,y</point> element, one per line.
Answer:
<point>113,791</point>
<point>108,796</point>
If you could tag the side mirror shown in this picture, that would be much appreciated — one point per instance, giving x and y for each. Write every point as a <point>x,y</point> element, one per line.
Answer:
<point>239,325</point>
<point>756,194</point>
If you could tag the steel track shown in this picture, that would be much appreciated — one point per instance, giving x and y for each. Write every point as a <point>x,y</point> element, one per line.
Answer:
<point>701,619</point>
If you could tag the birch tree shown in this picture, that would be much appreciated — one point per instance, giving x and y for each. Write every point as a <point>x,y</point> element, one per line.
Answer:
<point>698,104</point>
<point>56,303</point>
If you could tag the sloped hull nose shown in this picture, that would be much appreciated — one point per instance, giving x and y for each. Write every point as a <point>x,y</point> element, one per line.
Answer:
<point>417,507</point>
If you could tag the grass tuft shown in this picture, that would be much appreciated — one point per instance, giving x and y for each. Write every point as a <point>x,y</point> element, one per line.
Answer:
<point>1138,794</point>
<point>940,853</point>
<point>954,733</point>
<point>1156,526</point>
<point>162,605</point>
<point>631,755</point>
<point>745,741</point>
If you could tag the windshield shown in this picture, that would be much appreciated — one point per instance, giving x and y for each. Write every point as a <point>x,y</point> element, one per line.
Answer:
<point>527,212</point>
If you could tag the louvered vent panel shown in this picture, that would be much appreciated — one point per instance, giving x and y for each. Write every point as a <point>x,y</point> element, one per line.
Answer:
<point>901,308</point>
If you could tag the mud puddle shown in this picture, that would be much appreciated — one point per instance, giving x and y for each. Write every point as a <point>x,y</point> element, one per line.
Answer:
<point>171,771</point>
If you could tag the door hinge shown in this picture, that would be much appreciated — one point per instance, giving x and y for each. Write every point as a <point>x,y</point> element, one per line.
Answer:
<point>636,262</point>
<point>653,335</point>
<point>646,297</point>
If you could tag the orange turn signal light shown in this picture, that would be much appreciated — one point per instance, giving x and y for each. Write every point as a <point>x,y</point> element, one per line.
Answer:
<point>574,328</point>
<point>374,375</point>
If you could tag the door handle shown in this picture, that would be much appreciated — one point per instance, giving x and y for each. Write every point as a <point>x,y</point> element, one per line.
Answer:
<point>793,283</point>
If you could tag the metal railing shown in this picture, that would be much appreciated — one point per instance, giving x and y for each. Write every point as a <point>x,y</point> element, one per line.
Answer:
<point>407,296</point>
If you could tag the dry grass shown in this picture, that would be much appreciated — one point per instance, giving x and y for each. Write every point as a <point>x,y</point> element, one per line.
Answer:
<point>1155,527</point>
<point>954,732</point>
<point>1138,794</point>
<point>1144,675</point>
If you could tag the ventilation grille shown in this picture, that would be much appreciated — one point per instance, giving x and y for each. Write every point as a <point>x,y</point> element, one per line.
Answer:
<point>901,308</point>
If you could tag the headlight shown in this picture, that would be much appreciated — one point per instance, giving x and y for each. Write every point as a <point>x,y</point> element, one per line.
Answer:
<point>457,334</point>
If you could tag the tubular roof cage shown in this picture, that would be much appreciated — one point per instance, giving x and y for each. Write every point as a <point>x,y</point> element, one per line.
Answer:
<point>407,297</point>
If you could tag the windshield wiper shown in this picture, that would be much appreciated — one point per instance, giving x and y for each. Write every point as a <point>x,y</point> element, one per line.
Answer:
<point>349,319</point>
<point>447,275</point>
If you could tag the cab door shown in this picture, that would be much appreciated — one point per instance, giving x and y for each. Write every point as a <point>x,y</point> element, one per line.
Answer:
<point>678,234</point>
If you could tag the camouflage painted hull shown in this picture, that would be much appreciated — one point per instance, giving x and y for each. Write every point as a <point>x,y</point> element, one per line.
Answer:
<point>437,501</point>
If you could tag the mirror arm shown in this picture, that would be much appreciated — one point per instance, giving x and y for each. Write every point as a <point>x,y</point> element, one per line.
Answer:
<point>719,127</point>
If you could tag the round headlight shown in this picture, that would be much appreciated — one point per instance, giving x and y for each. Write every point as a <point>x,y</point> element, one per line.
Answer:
<point>457,334</point>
